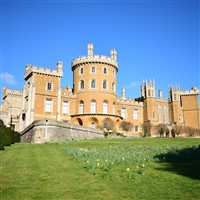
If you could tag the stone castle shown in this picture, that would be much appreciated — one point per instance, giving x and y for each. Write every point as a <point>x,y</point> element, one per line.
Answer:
<point>92,100</point>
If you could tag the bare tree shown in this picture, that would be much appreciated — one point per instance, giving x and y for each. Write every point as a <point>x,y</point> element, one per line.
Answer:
<point>126,126</point>
<point>108,124</point>
<point>161,129</point>
<point>147,126</point>
<point>190,131</point>
<point>178,129</point>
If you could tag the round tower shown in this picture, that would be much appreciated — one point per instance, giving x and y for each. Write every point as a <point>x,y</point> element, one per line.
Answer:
<point>94,83</point>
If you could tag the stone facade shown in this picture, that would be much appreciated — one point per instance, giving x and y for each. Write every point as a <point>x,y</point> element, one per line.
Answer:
<point>93,98</point>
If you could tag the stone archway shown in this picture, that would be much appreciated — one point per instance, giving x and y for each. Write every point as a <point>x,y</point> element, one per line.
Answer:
<point>1,122</point>
<point>78,121</point>
<point>93,122</point>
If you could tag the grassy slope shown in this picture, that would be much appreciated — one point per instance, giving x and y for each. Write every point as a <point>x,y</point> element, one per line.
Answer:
<point>30,171</point>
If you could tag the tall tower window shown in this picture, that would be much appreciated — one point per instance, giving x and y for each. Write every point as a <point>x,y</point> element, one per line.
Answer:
<point>93,70</point>
<point>149,93</point>
<point>105,84</point>
<point>49,86</point>
<point>81,84</point>
<point>65,107</point>
<point>135,114</point>
<point>113,108</point>
<point>105,107</point>
<point>113,87</point>
<point>93,106</point>
<point>93,83</point>
<point>81,107</point>
<point>81,70</point>
<point>48,105</point>
<point>105,70</point>
<point>123,113</point>
<point>160,114</point>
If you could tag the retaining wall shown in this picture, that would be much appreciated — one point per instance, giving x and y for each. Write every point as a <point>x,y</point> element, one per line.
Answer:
<point>44,131</point>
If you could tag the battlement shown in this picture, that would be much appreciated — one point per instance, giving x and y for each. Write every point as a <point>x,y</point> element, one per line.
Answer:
<point>6,92</point>
<point>40,70</point>
<point>112,60</point>
<point>129,101</point>
<point>95,58</point>
<point>193,91</point>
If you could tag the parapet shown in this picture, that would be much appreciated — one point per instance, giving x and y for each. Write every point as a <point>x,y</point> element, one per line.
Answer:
<point>91,58</point>
<point>40,70</point>
<point>129,101</point>
<point>193,91</point>
<point>9,92</point>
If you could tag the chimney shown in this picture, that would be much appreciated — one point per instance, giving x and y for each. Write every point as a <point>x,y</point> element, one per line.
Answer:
<point>113,54</point>
<point>90,50</point>
<point>123,93</point>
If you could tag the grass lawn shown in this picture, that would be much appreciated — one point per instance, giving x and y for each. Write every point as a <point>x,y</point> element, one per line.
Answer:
<point>146,168</point>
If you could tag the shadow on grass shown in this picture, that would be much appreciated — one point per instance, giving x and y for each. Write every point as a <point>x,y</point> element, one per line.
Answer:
<point>184,162</point>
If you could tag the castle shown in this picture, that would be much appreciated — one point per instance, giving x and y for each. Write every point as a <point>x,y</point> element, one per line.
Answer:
<point>93,98</point>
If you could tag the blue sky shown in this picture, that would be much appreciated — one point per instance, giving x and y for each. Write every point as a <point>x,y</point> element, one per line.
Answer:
<point>153,39</point>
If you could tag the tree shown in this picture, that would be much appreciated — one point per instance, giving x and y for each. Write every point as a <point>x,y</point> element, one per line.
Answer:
<point>190,131</point>
<point>178,129</point>
<point>108,124</point>
<point>161,129</point>
<point>147,126</point>
<point>126,126</point>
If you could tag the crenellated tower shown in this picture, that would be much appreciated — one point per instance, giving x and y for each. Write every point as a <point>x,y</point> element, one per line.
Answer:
<point>94,84</point>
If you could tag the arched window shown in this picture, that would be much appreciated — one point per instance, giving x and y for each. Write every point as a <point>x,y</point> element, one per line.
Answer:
<point>81,84</point>
<point>105,84</point>
<point>113,87</point>
<point>93,70</point>
<point>81,70</point>
<point>93,84</point>
<point>105,107</point>
<point>81,107</point>
<point>93,106</point>
<point>105,70</point>
<point>123,113</point>
<point>113,108</point>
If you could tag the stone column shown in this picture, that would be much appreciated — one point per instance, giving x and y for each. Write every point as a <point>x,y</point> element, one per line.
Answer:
<point>32,103</point>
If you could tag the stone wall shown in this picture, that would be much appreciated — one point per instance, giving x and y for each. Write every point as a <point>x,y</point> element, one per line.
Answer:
<point>43,131</point>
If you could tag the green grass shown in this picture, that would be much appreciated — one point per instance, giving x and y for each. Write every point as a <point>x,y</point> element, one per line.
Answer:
<point>147,168</point>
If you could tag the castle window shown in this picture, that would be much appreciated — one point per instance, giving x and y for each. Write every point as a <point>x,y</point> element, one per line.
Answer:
<point>93,84</point>
<point>123,113</point>
<point>104,84</point>
<point>160,114</point>
<point>149,93</point>
<point>174,97</point>
<point>81,84</point>
<point>49,86</point>
<point>93,106</point>
<point>81,70</point>
<point>105,107</point>
<point>105,70</point>
<point>65,107</point>
<point>113,73</point>
<point>154,115</point>
<point>113,87</point>
<point>93,70</point>
<point>81,107</point>
<point>136,128</point>
<point>135,114</point>
<point>48,105</point>
<point>113,108</point>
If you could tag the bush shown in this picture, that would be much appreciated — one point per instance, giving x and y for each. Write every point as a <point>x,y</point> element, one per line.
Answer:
<point>8,137</point>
